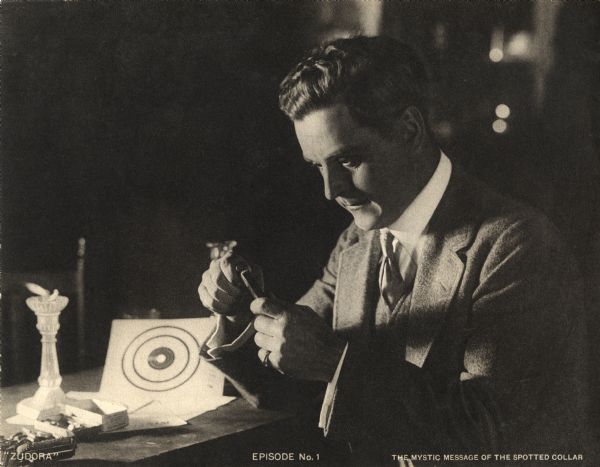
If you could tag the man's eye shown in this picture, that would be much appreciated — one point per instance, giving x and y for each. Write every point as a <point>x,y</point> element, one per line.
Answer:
<point>350,161</point>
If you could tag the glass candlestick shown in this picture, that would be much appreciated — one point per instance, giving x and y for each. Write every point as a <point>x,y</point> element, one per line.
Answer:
<point>49,399</point>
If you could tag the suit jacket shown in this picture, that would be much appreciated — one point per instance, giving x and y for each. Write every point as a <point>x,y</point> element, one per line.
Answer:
<point>495,338</point>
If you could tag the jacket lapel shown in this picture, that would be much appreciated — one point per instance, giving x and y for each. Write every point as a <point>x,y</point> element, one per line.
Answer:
<point>356,288</point>
<point>436,282</point>
<point>440,271</point>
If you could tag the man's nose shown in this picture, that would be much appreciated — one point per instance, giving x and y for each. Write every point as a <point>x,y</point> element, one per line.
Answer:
<point>334,182</point>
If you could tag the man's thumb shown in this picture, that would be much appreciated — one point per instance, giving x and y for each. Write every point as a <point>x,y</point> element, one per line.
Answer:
<point>272,307</point>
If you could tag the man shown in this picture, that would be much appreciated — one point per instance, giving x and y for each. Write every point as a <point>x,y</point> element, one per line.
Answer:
<point>448,318</point>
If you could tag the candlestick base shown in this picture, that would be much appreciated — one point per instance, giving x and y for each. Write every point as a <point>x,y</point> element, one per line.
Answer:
<point>45,403</point>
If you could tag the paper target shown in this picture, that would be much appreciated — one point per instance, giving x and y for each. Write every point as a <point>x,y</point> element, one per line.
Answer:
<point>161,358</point>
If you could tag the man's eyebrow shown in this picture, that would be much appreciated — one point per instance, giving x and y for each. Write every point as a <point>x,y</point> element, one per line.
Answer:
<point>337,153</point>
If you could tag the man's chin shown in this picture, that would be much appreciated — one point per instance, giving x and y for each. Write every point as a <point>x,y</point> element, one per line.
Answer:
<point>366,221</point>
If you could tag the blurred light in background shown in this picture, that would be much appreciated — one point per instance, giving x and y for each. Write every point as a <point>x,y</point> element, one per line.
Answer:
<point>499,126</point>
<point>497,44</point>
<point>502,111</point>
<point>370,17</point>
<point>348,18</point>
<point>496,55</point>
<point>440,36</point>
<point>545,16</point>
<point>519,46</point>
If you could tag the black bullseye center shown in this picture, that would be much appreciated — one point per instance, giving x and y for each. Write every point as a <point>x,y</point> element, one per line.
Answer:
<point>161,358</point>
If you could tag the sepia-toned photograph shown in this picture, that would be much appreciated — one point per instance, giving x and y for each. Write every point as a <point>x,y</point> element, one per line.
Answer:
<point>300,232</point>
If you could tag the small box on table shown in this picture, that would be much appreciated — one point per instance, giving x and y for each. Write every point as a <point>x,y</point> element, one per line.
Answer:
<point>85,418</point>
<point>109,415</point>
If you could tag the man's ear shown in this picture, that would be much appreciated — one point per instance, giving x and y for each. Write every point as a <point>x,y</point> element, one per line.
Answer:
<point>412,127</point>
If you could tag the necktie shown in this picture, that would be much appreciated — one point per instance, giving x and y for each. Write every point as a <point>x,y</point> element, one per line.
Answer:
<point>391,284</point>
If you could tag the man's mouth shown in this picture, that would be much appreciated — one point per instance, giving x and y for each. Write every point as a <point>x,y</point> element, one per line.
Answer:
<point>353,204</point>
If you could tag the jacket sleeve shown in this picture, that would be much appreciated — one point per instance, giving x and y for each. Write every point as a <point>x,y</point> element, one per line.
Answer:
<point>321,295</point>
<point>521,384</point>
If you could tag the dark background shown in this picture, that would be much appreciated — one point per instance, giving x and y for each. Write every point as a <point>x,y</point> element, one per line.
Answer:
<point>149,128</point>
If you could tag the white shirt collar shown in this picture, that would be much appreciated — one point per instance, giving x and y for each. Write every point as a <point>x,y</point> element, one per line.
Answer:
<point>412,224</point>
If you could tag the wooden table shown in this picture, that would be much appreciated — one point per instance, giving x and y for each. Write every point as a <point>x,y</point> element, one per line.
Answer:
<point>225,436</point>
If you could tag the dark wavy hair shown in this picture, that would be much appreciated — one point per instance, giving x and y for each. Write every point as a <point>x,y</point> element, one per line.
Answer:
<point>376,77</point>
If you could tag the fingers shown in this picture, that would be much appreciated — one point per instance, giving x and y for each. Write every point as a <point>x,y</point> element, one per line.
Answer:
<point>221,273</point>
<point>262,353</point>
<point>210,302</point>
<point>271,307</point>
<point>269,329</point>
<point>265,342</point>
<point>227,264</point>
<point>215,292</point>
<point>268,326</point>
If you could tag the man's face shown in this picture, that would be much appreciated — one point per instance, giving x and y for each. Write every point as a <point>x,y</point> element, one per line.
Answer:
<point>370,175</point>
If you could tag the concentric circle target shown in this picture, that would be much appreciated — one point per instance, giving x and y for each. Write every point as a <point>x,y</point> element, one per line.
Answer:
<point>161,358</point>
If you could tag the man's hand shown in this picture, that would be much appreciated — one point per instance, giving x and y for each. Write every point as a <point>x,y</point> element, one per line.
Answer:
<point>222,290</point>
<point>300,343</point>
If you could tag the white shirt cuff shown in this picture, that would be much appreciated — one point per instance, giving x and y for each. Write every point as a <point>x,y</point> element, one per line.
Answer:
<point>327,406</point>
<point>218,343</point>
